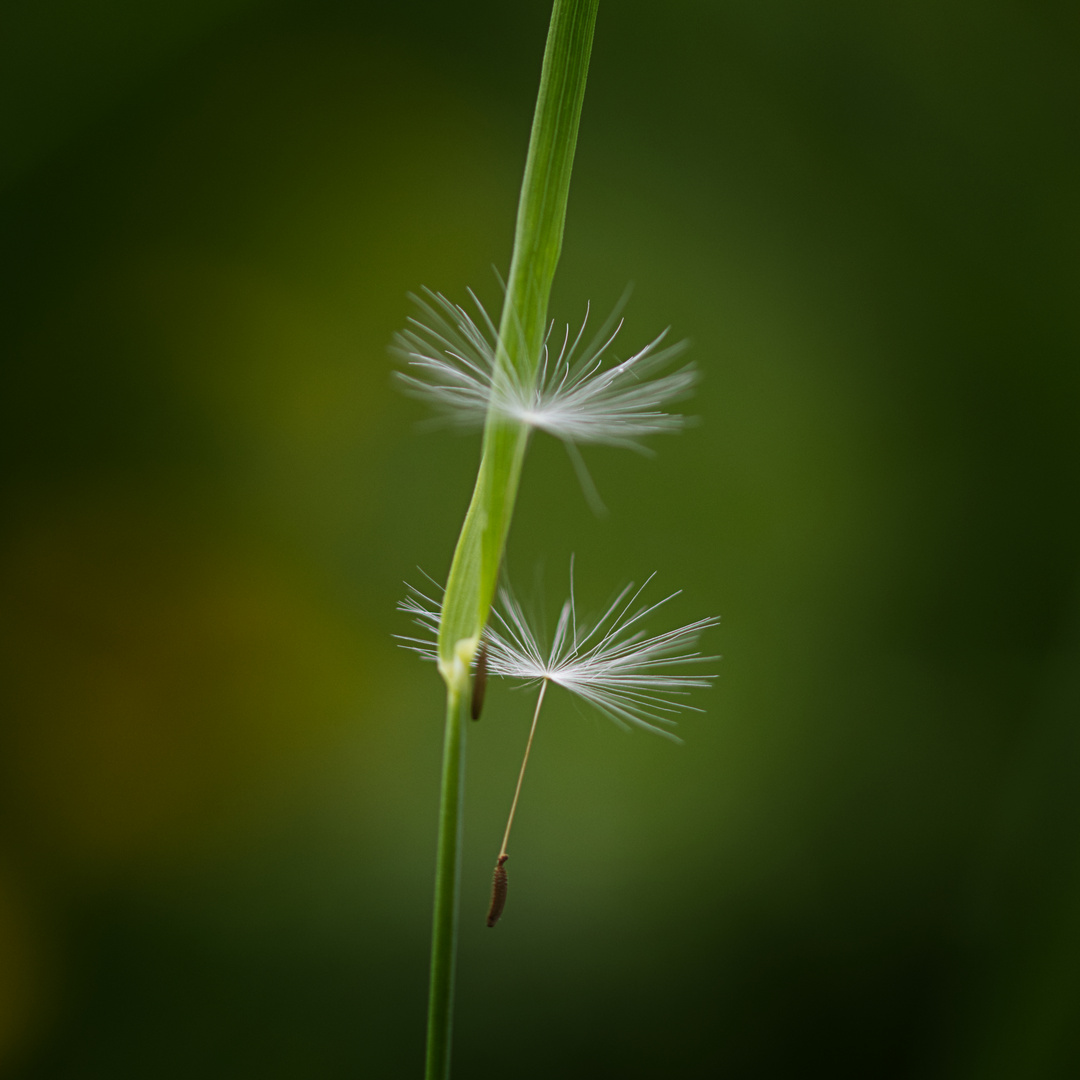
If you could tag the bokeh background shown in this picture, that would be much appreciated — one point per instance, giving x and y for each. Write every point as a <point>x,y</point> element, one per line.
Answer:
<point>218,773</point>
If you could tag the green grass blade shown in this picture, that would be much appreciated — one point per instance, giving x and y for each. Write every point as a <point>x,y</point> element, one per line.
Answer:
<point>474,571</point>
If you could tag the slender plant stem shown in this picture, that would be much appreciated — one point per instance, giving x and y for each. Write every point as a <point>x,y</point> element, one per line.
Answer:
<point>470,585</point>
<point>447,891</point>
<point>521,775</point>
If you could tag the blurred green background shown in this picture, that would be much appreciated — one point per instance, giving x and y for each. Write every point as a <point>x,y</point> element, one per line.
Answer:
<point>218,773</point>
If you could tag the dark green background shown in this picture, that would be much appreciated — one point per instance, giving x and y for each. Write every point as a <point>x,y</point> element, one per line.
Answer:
<point>218,774</point>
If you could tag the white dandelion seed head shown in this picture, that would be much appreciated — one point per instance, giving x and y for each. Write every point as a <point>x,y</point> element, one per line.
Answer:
<point>610,662</point>
<point>577,397</point>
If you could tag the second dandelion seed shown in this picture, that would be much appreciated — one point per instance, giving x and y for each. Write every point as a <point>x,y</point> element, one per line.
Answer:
<point>611,664</point>
<point>632,678</point>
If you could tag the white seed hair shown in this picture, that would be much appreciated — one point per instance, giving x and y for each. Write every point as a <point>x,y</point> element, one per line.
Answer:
<point>609,663</point>
<point>575,398</point>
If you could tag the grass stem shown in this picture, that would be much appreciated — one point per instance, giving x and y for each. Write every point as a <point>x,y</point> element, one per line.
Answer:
<point>447,892</point>
<point>470,585</point>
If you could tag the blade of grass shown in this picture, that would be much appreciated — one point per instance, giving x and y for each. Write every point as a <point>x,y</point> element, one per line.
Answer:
<point>470,586</point>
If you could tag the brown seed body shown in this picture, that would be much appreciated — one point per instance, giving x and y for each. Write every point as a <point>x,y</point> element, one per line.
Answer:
<point>498,892</point>
<point>479,686</point>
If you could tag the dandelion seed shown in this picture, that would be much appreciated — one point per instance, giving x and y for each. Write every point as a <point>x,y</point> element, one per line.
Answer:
<point>610,663</point>
<point>631,678</point>
<point>577,398</point>
<point>498,892</point>
<point>499,886</point>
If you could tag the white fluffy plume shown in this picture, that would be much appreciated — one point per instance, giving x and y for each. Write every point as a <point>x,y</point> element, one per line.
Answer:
<point>610,662</point>
<point>578,398</point>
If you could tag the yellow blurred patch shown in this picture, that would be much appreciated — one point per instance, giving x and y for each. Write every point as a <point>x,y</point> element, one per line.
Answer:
<point>162,682</point>
<point>23,967</point>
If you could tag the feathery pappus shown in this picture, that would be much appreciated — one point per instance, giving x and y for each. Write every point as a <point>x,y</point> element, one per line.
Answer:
<point>610,662</point>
